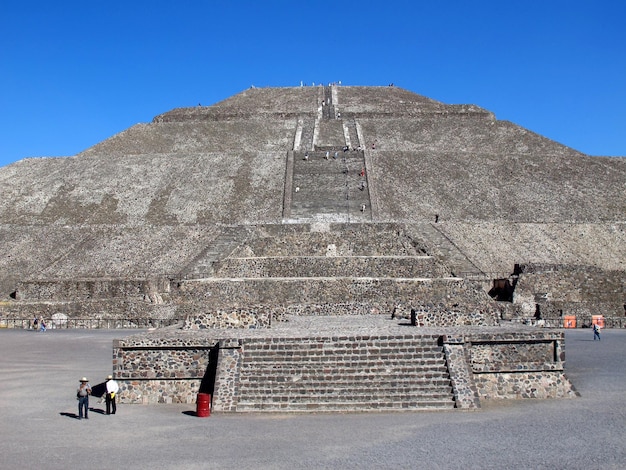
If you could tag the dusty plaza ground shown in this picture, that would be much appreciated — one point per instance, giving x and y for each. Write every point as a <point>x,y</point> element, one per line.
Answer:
<point>39,430</point>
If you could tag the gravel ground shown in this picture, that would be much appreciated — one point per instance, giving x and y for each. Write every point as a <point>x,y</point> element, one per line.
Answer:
<point>38,429</point>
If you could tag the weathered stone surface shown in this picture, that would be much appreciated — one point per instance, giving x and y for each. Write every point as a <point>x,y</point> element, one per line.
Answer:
<point>129,208</point>
<point>278,206</point>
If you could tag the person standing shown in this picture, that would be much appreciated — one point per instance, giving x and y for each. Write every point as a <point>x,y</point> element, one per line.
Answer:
<point>82,394</point>
<point>596,332</point>
<point>112,389</point>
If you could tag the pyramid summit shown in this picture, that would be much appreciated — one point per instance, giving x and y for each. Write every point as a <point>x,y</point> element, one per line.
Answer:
<point>315,202</point>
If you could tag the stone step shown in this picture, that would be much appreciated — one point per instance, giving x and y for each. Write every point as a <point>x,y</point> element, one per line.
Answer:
<point>286,406</point>
<point>350,384</point>
<point>338,386</point>
<point>302,403</point>
<point>343,373</point>
<point>312,359</point>
<point>372,344</point>
<point>351,351</point>
<point>416,343</point>
<point>348,372</point>
<point>349,391</point>
<point>317,159</point>
<point>371,367</point>
<point>344,355</point>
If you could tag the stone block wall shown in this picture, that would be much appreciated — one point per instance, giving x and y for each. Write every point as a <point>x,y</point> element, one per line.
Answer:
<point>228,373</point>
<point>531,384</point>
<point>152,391</point>
<point>465,391</point>
<point>86,289</point>
<point>217,293</point>
<point>249,317</point>
<point>314,239</point>
<point>159,373</point>
<point>441,315</point>
<point>99,313</point>
<point>519,365</point>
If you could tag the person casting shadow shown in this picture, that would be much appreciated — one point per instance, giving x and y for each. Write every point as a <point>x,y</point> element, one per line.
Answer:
<point>111,391</point>
<point>82,395</point>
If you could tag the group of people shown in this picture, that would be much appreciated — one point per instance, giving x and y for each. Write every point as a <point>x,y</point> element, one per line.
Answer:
<point>84,391</point>
<point>39,324</point>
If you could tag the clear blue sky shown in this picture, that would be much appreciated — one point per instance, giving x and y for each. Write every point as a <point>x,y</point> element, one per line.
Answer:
<point>75,73</point>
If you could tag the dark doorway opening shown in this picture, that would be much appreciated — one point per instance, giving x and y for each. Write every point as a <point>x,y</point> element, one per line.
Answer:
<point>502,290</point>
<point>208,381</point>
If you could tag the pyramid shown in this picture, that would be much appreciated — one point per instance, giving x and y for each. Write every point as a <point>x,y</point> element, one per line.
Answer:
<point>290,236</point>
<point>118,231</point>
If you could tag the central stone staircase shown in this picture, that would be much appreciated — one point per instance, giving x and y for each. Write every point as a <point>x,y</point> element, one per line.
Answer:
<point>344,373</point>
<point>330,185</point>
<point>326,171</point>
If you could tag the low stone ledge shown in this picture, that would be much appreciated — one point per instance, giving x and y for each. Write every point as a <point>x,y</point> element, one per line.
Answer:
<point>512,385</point>
<point>516,367</point>
<point>92,289</point>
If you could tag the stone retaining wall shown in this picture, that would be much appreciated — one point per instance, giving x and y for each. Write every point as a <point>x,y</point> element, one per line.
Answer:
<point>96,310</point>
<point>331,266</point>
<point>519,365</point>
<point>222,292</point>
<point>250,317</point>
<point>331,239</point>
<point>86,289</point>
<point>160,374</point>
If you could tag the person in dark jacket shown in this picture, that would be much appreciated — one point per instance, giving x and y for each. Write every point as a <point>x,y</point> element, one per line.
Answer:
<point>82,395</point>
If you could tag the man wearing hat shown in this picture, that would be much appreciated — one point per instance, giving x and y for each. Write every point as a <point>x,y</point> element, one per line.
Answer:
<point>82,394</point>
<point>112,389</point>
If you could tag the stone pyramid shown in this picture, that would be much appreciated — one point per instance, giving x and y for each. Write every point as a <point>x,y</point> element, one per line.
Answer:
<point>132,229</point>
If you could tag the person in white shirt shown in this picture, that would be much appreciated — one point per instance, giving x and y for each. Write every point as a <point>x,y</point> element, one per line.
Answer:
<point>112,389</point>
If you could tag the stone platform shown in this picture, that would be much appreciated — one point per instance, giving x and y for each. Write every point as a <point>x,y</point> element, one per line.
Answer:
<point>342,363</point>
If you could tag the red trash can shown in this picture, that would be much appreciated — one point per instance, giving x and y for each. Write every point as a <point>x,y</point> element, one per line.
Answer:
<point>203,405</point>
